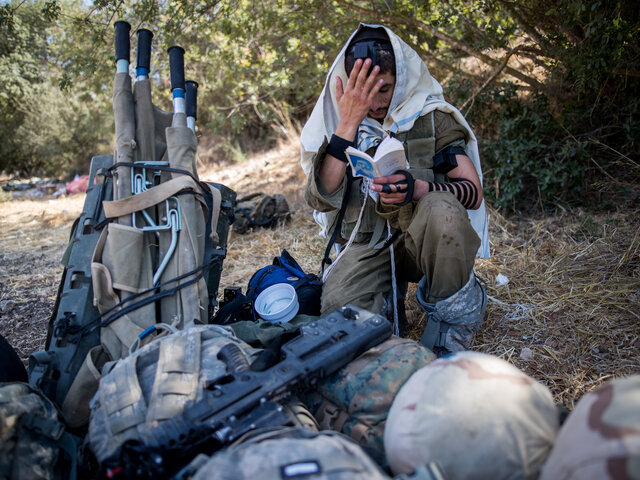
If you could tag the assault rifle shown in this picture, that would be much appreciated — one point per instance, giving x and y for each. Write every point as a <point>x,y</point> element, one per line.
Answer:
<point>246,399</point>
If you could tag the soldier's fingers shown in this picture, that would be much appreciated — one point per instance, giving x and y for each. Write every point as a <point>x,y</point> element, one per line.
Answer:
<point>393,187</point>
<point>351,83</point>
<point>339,88</point>
<point>363,74</point>
<point>376,88</point>
<point>392,197</point>
<point>371,81</point>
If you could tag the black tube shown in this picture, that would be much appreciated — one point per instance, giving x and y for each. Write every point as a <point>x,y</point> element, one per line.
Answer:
<point>123,45</point>
<point>191,98</point>
<point>143,58</point>
<point>176,67</point>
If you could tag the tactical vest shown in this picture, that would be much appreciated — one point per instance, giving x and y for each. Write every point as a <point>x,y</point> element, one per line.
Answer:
<point>155,383</point>
<point>419,145</point>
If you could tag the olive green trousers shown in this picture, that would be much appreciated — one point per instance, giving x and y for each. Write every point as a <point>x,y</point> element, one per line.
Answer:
<point>439,244</point>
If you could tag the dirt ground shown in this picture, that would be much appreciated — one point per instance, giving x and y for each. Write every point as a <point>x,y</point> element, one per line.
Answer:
<point>564,290</point>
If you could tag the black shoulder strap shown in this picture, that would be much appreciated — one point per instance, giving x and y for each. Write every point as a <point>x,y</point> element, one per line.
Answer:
<point>326,260</point>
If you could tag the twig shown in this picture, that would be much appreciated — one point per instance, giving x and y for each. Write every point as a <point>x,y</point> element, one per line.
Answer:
<point>497,72</point>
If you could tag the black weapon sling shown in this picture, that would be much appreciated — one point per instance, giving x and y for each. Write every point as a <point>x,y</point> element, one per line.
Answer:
<point>326,260</point>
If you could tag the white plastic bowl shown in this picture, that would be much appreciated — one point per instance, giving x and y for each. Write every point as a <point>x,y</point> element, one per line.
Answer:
<point>277,303</point>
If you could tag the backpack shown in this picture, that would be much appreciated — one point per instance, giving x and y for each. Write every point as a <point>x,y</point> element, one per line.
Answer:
<point>284,269</point>
<point>260,210</point>
<point>34,444</point>
<point>356,399</point>
<point>155,383</point>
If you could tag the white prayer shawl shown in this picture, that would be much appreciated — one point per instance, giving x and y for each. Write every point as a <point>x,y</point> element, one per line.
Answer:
<point>416,93</point>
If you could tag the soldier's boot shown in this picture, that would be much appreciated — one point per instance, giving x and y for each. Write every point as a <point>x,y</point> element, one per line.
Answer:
<point>452,322</point>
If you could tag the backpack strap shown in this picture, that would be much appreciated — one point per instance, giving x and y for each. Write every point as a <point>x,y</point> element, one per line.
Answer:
<point>227,313</point>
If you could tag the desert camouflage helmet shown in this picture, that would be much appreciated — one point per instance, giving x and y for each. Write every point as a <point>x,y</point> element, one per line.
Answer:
<point>601,437</point>
<point>474,414</point>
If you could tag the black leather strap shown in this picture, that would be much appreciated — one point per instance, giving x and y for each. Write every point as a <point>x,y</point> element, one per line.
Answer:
<point>411,183</point>
<point>336,147</point>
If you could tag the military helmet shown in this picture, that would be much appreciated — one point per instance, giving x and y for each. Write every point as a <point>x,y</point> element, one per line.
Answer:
<point>601,437</point>
<point>474,414</point>
<point>288,452</point>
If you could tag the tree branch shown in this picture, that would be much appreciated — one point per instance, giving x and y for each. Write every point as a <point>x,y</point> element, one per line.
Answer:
<point>501,67</point>
<point>403,21</point>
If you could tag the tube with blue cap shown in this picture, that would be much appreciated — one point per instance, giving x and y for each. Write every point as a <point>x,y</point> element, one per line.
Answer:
<point>143,58</point>
<point>176,69</point>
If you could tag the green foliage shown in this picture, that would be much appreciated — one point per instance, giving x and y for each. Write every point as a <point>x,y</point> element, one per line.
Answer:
<point>533,157</point>
<point>42,130</point>
<point>552,88</point>
<point>552,144</point>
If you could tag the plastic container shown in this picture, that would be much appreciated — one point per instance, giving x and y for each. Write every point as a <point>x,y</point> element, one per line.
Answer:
<point>277,303</point>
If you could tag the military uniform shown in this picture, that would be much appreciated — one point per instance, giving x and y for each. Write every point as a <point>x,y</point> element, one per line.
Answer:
<point>437,239</point>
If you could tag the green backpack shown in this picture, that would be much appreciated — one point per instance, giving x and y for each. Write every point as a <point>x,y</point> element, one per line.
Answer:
<point>356,399</point>
<point>260,210</point>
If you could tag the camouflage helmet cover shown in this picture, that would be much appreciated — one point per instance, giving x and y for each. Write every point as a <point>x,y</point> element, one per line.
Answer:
<point>292,453</point>
<point>476,415</point>
<point>601,437</point>
<point>356,399</point>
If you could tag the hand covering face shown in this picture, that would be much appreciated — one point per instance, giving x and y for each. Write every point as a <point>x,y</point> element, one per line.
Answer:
<point>416,94</point>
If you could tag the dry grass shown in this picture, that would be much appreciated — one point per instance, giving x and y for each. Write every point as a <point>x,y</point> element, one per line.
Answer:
<point>33,236</point>
<point>569,315</point>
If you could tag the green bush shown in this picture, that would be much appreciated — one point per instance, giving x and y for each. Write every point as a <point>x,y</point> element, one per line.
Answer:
<point>556,144</point>
<point>43,130</point>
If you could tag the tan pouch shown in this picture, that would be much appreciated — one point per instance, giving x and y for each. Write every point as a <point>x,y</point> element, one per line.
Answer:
<point>75,407</point>
<point>121,266</point>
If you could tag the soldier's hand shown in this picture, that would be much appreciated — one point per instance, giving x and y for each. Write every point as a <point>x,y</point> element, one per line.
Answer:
<point>392,188</point>
<point>354,100</point>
